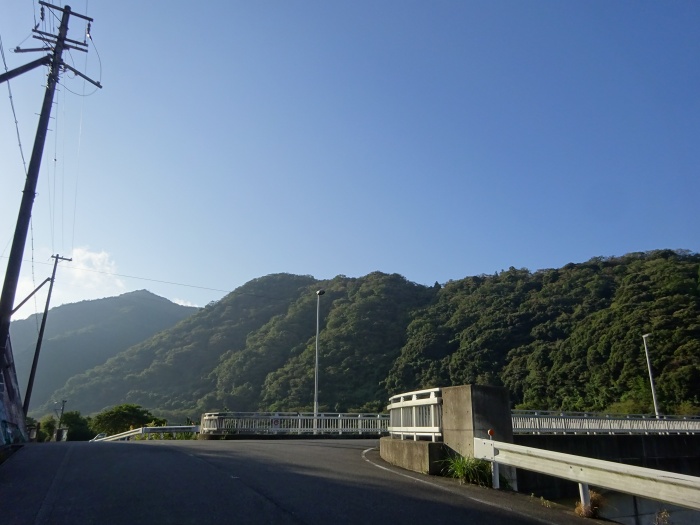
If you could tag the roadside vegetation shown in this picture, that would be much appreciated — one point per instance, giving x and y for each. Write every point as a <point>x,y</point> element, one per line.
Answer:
<point>110,421</point>
<point>592,510</point>
<point>467,470</point>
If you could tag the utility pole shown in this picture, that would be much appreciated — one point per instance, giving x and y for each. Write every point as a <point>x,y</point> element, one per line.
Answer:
<point>60,420</point>
<point>30,384</point>
<point>55,62</point>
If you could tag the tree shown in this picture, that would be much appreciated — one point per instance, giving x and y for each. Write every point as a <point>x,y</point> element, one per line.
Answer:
<point>77,425</point>
<point>121,418</point>
<point>47,426</point>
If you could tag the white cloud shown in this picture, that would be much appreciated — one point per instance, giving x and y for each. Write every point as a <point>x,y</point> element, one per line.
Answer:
<point>90,275</point>
<point>94,271</point>
<point>184,302</point>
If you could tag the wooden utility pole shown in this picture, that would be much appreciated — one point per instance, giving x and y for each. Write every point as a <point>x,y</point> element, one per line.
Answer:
<point>30,384</point>
<point>57,44</point>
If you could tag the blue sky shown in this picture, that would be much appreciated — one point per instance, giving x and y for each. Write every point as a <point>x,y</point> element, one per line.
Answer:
<point>436,139</point>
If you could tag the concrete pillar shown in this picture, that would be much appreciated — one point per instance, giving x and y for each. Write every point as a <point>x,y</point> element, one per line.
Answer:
<point>469,411</point>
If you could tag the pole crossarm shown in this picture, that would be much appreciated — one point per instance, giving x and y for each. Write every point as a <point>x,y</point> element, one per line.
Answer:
<point>31,49</point>
<point>71,68</point>
<point>64,10</point>
<point>43,36</point>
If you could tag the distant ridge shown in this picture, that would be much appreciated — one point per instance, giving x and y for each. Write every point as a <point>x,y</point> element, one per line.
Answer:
<point>82,335</point>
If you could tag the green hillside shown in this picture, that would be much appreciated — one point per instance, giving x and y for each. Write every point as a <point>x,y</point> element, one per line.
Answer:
<point>568,338</point>
<point>82,335</point>
<point>173,370</point>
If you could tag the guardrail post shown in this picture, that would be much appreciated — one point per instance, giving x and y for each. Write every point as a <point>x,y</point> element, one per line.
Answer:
<point>585,497</point>
<point>495,477</point>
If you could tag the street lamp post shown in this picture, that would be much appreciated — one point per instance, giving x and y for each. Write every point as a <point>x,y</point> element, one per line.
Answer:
<point>651,377</point>
<point>319,293</point>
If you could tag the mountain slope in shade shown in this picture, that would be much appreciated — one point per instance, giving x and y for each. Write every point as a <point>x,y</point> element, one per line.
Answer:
<point>172,370</point>
<point>80,336</point>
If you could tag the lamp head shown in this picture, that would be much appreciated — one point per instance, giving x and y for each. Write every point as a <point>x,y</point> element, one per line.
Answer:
<point>320,292</point>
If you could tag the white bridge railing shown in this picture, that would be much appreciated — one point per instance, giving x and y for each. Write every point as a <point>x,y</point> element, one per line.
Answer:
<point>544,422</point>
<point>222,423</point>
<point>418,415</point>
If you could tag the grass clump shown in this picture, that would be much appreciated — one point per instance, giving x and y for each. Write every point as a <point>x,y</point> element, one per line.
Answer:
<point>468,470</point>
<point>663,517</point>
<point>592,510</point>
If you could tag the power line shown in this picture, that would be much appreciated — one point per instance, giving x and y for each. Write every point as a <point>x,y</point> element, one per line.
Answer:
<point>160,281</point>
<point>14,113</point>
<point>80,268</point>
<point>148,279</point>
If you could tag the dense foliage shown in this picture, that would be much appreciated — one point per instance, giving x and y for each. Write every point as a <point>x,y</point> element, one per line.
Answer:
<point>122,418</point>
<point>79,427</point>
<point>111,421</point>
<point>568,338</point>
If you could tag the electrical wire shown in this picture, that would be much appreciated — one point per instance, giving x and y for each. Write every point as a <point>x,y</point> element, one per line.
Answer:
<point>159,281</point>
<point>81,268</point>
<point>99,61</point>
<point>52,180</point>
<point>12,105</point>
<point>77,169</point>
<point>24,164</point>
<point>36,305</point>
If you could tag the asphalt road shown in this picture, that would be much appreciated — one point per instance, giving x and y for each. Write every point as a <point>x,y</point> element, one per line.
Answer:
<point>243,482</point>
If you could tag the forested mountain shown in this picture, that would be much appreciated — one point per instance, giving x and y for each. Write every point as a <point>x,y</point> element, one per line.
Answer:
<point>568,338</point>
<point>255,349</point>
<point>82,335</point>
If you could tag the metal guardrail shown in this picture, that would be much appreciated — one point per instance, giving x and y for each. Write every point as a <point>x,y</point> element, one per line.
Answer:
<point>223,423</point>
<point>658,485</point>
<point>416,415</point>
<point>148,431</point>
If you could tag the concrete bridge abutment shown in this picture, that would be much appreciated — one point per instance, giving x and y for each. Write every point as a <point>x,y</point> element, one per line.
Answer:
<point>468,412</point>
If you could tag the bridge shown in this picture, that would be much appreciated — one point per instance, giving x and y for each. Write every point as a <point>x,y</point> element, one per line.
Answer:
<point>418,415</point>
<point>466,421</point>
